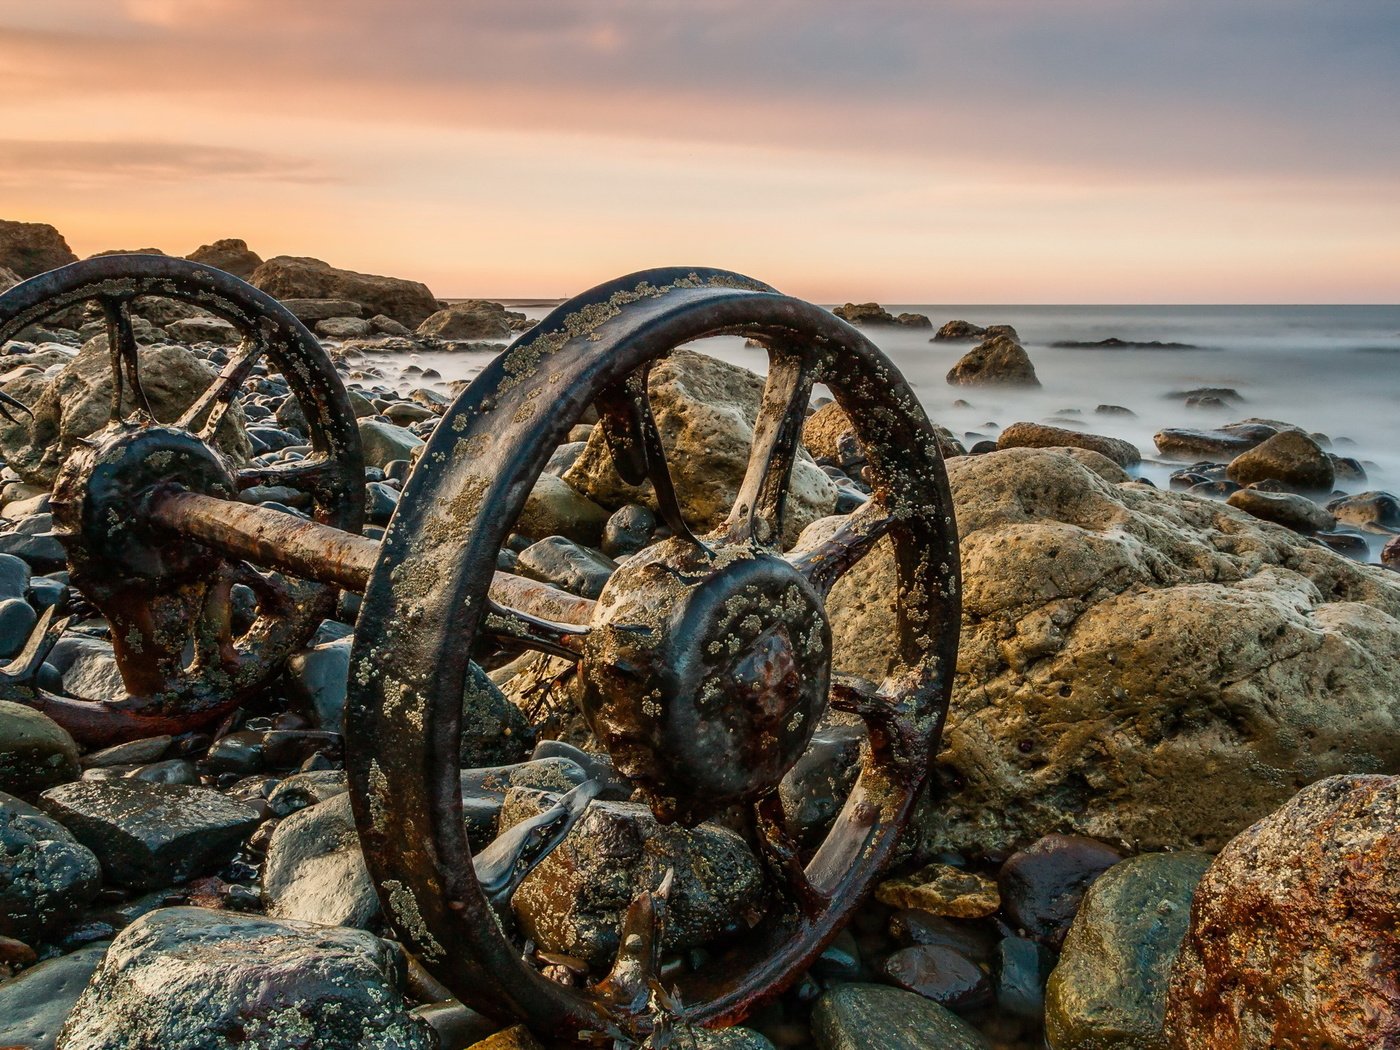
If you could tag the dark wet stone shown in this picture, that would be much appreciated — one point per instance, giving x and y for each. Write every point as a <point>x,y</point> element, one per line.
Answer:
<point>14,576</point>
<point>34,1005</point>
<point>45,591</point>
<point>133,752</point>
<point>940,974</point>
<point>494,730</point>
<point>839,960</point>
<point>183,978</point>
<point>41,551</point>
<point>980,448</point>
<point>564,563</point>
<point>1116,343</point>
<point>1023,966</point>
<point>1345,544</point>
<point>1347,470</point>
<point>238,752</point>
<point>290,748</point>
<point>815,788</point>
<point>564,457</point>
<point>317,677</point>
<point>35,751</point>
<point>1113,410</point>
<point>1215,489</point>
<point>380,501</point>
<point>1223,443</point>
<point>306,789</point>
<point>1042,885</point>
<point>1223,393</point>
<point>973,939</point>
<point>171,771</point>
<point>872,1017</point>
<point>1109,989</point>
<point>17,620</point>
<point>628,530</point>
<point>457,1027</point>
<point>46,876</point>
<point>147,835</point>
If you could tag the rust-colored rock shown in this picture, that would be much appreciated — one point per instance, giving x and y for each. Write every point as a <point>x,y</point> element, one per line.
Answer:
<point>1295,930</point>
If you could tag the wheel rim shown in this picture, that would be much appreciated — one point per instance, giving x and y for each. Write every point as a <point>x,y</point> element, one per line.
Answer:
<point>428,595</point>
<point>164,694</point>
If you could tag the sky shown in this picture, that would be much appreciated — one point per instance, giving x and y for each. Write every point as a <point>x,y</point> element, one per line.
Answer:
<point>948,151</point>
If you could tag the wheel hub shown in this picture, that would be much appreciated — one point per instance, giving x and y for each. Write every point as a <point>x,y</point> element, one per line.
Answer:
<point>704,674</point>
<point>97,501</point>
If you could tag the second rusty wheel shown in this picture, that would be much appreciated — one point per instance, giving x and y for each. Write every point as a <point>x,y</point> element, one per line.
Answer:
<point>705,664</point>
<point>167,599</point>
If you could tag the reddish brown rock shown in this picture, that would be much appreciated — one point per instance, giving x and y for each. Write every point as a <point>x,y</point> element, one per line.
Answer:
<point>997,360</point>
<point>1295,931</point>
<point>1290,457</point>
<point>30,248</point>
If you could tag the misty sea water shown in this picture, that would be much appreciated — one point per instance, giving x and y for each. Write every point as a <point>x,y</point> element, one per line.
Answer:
<point>1333,370</point>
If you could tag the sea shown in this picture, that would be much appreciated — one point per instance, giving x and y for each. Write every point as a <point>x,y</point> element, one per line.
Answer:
<point>1332,370</point>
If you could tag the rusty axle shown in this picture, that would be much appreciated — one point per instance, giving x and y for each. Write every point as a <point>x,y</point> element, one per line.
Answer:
<point>273,539</point>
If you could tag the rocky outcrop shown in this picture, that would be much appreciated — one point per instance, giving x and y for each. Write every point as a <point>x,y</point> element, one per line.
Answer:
<point>1042,435</point>
<point>1109,990</point>
<point>186,978</point>
<point>473,319</point>
<point>1136,665</point>
<point>1295,932</point>
<point>705,410</point>
<point>958,331</point>
<point>232,255</point>
<point>997,361</point>
<point>875,314</point>
<point>8,278</point>
<point>292,277</point>
<point>30,248</point>
<point>77,403</point>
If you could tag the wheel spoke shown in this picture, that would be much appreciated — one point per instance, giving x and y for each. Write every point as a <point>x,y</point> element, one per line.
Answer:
<point>892,734</point>
<point>634,440</point>
<point>121,345</point>
<point>213,634</point>
<point>503,865</point>
<point>780,857</point>
<point>304,474</point>
<point>636,971</point>
<point>519,629</point>
<point>827,560</point>
<point>758,509</point>
<point>216,400</point>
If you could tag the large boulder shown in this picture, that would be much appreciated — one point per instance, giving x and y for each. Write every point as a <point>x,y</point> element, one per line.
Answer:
<point>314,869</point>
<point>78,401</point>
<point>30,248</point>
<point>997,361</point>
<point>1295,931</point>
<point>232,255</point>
<point>1289,457</point>
<point>1137,665</point>
<point>473,319</point>
<point>705,410</point>
<point>293,277</point>
<point>196,979</point>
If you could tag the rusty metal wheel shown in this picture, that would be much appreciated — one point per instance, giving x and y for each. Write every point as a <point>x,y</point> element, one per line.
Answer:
<point>704,665</point>
<point>168,599</point>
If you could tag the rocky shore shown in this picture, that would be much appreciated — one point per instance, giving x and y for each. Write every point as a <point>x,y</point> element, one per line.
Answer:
<point>1163,815</point>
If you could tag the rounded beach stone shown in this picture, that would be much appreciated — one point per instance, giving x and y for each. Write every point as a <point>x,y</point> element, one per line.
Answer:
<point>873,1017</point>
<point>189,978</point>
<point>46,876</point>
<point>1295,929</point>
<point>1109,989</point>
<point>35,751</point>
<point>1291,457</point>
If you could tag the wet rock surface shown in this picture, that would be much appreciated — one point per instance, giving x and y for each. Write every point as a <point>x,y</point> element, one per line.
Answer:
<point>186,978</point>
<point>34,1005</point>
<point>147,835</point>
<point>1110,987</point>
<point>1042,885</point>
<point>573,902</point>
<point>1289,457</point>
<point>870,1017</point>
<point>46,875</point>
<point>1294,928</point>
<point>35,752</point>
<point>1041,435</point>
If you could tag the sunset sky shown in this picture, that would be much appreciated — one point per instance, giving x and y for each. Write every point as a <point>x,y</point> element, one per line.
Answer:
<point>959,151</point>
